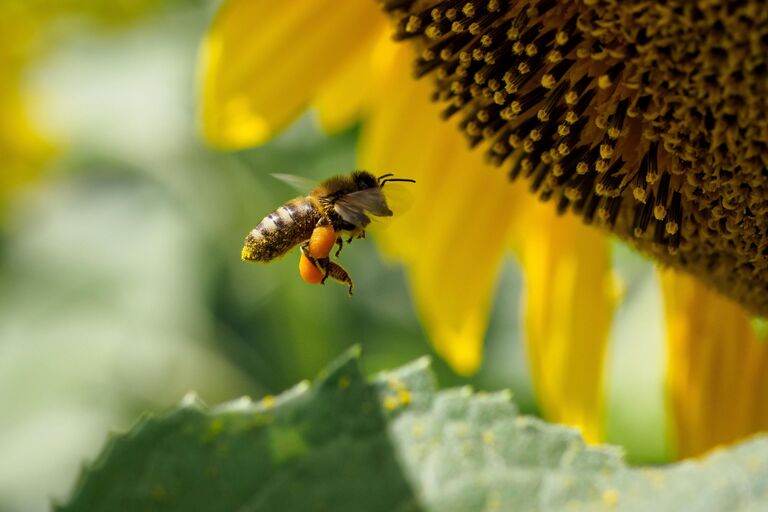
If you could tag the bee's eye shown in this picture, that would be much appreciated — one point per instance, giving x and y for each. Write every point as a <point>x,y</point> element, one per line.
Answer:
<point>366,181</point>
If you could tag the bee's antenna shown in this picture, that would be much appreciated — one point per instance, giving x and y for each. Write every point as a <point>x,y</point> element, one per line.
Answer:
<point>384,176</point>
<point>407,180</point>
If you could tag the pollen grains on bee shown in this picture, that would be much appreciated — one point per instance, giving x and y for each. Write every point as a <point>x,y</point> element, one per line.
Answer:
<point>308,271</point>
<point>321,242</point>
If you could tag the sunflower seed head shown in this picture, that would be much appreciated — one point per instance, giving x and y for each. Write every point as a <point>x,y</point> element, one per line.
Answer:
<point>649,118</point>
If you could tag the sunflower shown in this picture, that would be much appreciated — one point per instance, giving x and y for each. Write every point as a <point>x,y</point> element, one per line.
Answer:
<point>546,86</point>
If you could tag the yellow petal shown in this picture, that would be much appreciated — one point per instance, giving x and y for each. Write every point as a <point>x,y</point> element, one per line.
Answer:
<point>24,151</point>
<point>453,238</point>
<point>262,62</point>
<point>717,368</point>
<point>345,97</point>
<point>567,309</point>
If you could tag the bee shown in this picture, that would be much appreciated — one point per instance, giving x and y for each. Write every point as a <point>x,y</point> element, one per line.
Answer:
<point>340,207</point>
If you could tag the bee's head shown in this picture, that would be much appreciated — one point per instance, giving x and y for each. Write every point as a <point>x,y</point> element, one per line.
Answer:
<point>364,179</point>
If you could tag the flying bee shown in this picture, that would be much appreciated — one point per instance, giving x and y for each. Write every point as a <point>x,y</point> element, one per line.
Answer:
<point>340,207</point>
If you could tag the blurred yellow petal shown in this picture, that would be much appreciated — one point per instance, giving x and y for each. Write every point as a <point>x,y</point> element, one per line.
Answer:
<point>23,150</point>
<point>717,368</point>
<point>568,305</point>
<point>453,239</point>
<point>349,93</point>
<point>263,62</point>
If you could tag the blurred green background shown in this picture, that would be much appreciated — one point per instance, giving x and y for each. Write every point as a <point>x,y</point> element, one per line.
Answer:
<point>121,286</point>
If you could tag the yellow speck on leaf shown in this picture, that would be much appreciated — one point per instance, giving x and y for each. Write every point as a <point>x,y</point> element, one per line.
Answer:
<point>268,401</point>
<point>610,497</point>
<point>404,396</point>
<point>391,403</point>
<point>344,382</point>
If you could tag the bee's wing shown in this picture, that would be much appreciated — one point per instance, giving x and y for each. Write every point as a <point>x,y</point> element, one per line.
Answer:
<point>298,183</point>
<point>399,197</point>
<point>355,206</point>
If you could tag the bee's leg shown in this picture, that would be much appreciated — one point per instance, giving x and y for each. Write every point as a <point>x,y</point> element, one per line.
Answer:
<point>319,264</point>
<point>323,266</point>
<point>338,273</point>
<point>340,243</point>
<point>328,268</point>
<point>360,234</point>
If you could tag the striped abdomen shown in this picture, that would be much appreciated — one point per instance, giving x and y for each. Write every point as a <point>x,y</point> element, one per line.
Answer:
<point>281,230</point>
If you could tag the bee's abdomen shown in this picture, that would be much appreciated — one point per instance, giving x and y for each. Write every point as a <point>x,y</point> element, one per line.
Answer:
<point>281,230</point>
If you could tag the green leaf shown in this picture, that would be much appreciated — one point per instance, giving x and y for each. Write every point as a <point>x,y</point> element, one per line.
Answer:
<point>394,444</point>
